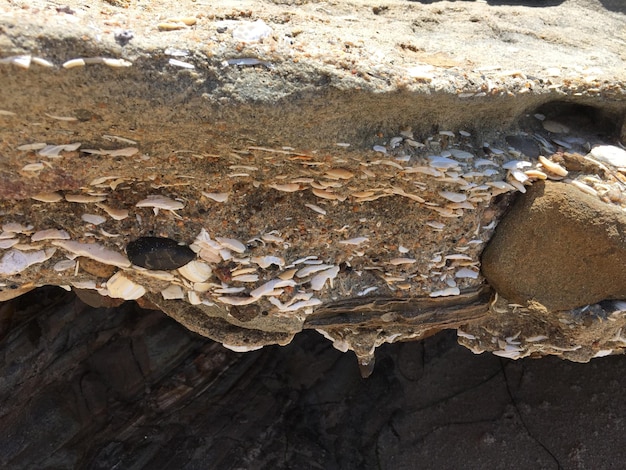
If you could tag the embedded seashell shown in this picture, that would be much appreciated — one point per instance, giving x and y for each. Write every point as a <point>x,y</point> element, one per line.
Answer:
<point>6,243</point>
<point>339,173</point>
<point>454,197</point>
<point>267,261</point>
<point>64,265</point>
<point>399,261</point>
<point>83,198</point>
<point>286,187</point>
<point>319,280</point>
<point>610,154</point>
<point>354,241</point>
<point>466,273</point>
<point>120,287</point>
<point>173,292</point>
<point>554,126</point>
<point>442,162</point>
<point>159,253</point>
<point>50,234</point>
<point>484,162</point>
<point>311,269</point>
<point>160,202</point>
<point>269,287</point>
<point>16,227</point>
<point>462,154</point>
<point>194,298</point>
<point>15,261</point>
<point>217,197</point>
<point>446,292</point>
<point>116,214</point>
<point>552,167</point>
<point>94,219</point>
<point>536,174</point>
<point>237,300</point>
<point>516,165</point>
<point>231,244</point>
<point>94,251</point>
<point>196,271</point>
<point>48,197</point>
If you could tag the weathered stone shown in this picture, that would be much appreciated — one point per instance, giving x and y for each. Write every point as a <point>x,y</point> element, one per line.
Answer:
<point>560,247</point>
<point>314,142</point>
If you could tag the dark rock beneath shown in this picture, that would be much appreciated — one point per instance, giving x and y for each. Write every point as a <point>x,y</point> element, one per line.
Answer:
<point>560,247</point>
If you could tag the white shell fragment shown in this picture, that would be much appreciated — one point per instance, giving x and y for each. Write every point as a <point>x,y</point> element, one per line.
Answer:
<point>54,150</point>
<point>400,261</point>
<point>354,241</point>
<point>251,32</point>
<point>454,197</point>
<point>266,261</point>
<point>160,202</point>
<point>446,292</point>
<point>94,219</point>
<point>123,152</point>
<point>173,292</point>
<point>64,265</point>
<point>319,280</point>
<point>312,269</point>
<point>94,251</point>
<point>83,198</point>
<point>610,154</point>
<point>286,187</point>
<point>237,300</point>
<point>269,287</point>
<point>48,197</point>
<point>231,244</point>
<point>120,287</point>
<point>466,273</point>
<point>196,271</point>
<point>316,208</point>
<point>552,167</point>
<point>442,162</point>
<point>217,197</point>
<point>14,261</point>
<point>116,214</point>
<point>50,234</point>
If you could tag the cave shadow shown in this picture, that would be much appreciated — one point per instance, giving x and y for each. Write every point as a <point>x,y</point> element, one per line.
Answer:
<point>614,5</point>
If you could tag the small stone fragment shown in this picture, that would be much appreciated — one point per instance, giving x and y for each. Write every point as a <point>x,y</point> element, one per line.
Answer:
<point>159,253</point>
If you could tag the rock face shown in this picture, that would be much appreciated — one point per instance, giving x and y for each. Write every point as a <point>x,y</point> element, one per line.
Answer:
<point>322,176</point>
<point>560,247</point>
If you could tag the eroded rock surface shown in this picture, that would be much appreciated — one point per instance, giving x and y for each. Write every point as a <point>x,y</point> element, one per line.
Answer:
<point>323,177</point>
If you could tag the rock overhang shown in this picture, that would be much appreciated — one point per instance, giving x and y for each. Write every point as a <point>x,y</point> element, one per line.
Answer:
<point>173,116</point>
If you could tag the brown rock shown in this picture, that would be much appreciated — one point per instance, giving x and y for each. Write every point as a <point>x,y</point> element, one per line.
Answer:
<point>560,247</point>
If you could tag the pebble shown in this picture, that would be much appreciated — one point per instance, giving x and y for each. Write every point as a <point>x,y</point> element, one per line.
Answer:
<point>159,253</point>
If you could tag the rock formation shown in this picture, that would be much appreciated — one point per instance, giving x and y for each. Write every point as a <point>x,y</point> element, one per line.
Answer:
<point>313,176</point>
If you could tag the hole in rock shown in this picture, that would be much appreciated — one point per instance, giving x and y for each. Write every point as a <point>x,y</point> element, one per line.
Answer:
<point>581,119</point>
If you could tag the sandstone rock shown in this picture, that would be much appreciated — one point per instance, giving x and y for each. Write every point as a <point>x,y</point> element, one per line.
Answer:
<point>560,247</point>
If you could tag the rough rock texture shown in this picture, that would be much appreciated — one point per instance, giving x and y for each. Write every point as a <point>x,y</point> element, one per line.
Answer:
<point>560,247</point>
<point>343,179</point>
<point>129,388</point>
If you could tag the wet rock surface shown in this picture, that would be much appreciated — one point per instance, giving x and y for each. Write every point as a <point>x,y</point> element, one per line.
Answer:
<point>560,247</point>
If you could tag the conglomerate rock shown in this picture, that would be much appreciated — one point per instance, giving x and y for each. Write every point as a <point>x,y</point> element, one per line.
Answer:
<point>342,179</point>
